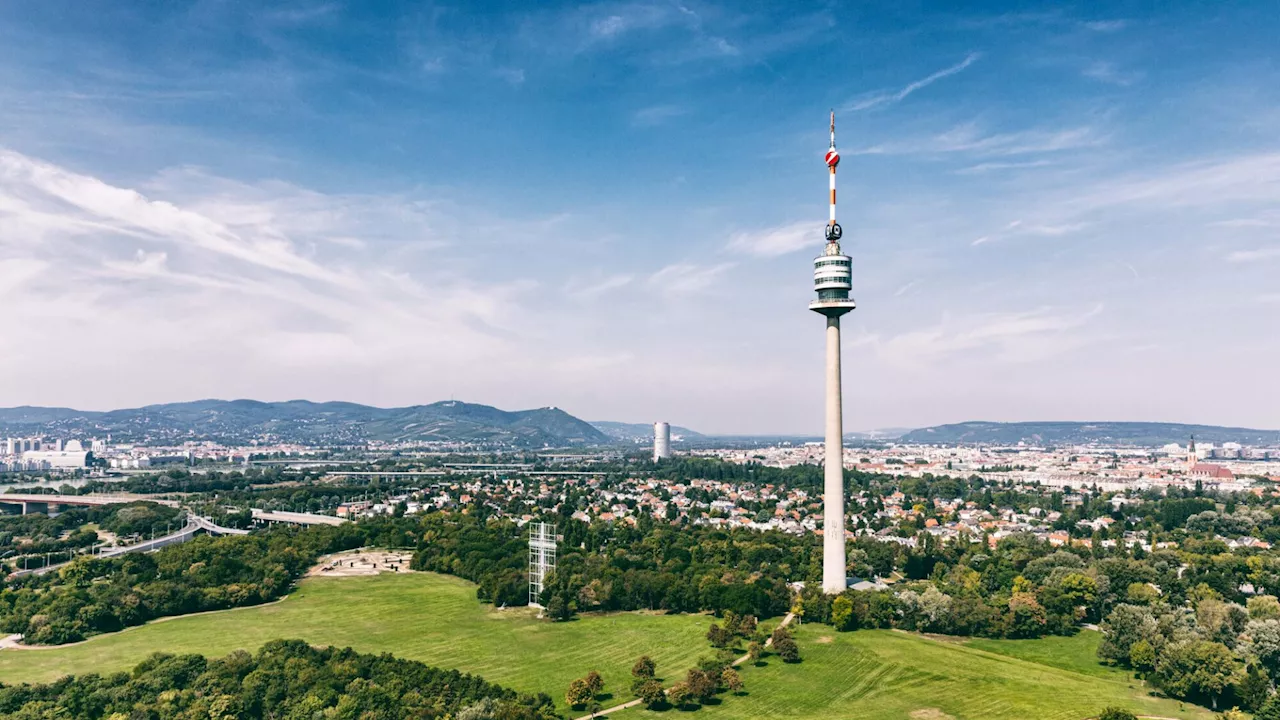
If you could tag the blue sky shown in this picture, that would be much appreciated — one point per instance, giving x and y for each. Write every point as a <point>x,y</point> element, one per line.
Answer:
<point>1056,212</point>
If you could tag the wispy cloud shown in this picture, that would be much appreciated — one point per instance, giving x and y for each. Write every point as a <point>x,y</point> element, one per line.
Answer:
<point>1107,72</point>
<point>1266,253</point>
<point>1008,337</point>
<point>781,240</point>
<point>989,167</point>
<point>681,279</point>
<point>968,138</point>
<point>514,76</point>
<point>245,264</point>
<point>655,115</point>
<point>883,98</point>
<point>592,288</point>
<point>1106,26</point>
<point>1019,228</point>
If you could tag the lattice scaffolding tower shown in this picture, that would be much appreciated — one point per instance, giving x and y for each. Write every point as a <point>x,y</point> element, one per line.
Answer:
<point>542,558</point>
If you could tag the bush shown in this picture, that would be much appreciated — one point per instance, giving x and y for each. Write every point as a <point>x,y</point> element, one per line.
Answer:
<point>1115,713</point>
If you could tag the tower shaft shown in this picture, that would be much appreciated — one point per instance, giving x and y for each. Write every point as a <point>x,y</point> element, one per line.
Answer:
<point>833,279</point>
<point>833,550</point>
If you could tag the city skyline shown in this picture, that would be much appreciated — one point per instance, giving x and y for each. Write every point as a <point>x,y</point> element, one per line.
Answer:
<point>1054,216</point>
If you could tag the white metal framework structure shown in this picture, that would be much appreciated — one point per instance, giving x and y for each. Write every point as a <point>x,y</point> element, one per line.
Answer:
<point>833,279</point>
<point>542,558</point>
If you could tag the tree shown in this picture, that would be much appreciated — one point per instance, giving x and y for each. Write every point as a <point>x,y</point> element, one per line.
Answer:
<point>1196,669</point>
<point>702,686</point>
<point>718,636</point>
<point>594,682</point>
<point>732,680</point>
<point>1264,607</point>
<point>645,667</point>
<point>650,693</point>
<point>1142,657</point>
<point>787,649</point>
<point>1253,688</point>
<point>1026,616</point>
<point>1262,640</point>
<point>1270,709</point>
<point>842,617</point>
<point>1126,625</point>
<point>1141,593</point>
<point>754,651</point>
<point>1115,713</point>
<point>579,693</point>
<point>678,695</point>
<point>747,626</point>
<point>558,609</point>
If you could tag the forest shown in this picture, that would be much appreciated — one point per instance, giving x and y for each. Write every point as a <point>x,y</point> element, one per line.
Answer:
<point>283,679</point>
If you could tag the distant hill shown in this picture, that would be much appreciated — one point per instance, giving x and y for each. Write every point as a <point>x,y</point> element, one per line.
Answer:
<point>302,421</point>
<point>1141,434</point>
<point>639,432</point>
<point>881,434</point>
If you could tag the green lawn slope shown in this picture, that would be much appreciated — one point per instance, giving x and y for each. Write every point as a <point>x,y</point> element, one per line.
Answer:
<point>887,675</point>
<point>868,675</point>
<point>420,616</point>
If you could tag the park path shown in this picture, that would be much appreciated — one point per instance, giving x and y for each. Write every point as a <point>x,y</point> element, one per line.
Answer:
<point>592,716</point>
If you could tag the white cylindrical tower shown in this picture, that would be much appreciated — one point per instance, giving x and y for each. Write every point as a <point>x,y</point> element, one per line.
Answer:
<point>661,441</point>
<point>833,279</point>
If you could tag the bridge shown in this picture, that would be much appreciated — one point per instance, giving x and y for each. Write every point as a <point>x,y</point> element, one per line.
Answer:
<point>24,503</point>
<point>208,526</point>
<point>296,518</point>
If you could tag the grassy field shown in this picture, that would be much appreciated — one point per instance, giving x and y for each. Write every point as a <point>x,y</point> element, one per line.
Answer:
<point>886,675</point>
<point>1078,653</point>
<point>869,675</point>
<point>422,616</point>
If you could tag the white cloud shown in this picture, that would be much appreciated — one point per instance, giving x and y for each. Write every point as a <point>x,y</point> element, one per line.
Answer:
<point>656,115</point>
<point>514,76</point>
<point>680,279</point>
<point>967,138</point>
<point>1240,256</point>
<point>888,98</point>
<point>1018,228</point>
<point>179,294</point>
<point>587,289</point>
<point>1005,337</point>
<point>781,240</point>
<point>988,167</point>
<point>1107,26</point>
<point>1107,72</point>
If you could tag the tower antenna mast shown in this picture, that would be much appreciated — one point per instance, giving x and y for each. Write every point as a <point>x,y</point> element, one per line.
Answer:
<point>833,279</point>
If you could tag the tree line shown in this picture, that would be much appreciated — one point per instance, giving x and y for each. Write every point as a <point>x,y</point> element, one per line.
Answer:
<point>283,679</point>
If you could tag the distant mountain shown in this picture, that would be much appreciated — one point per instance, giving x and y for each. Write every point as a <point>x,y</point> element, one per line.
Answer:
<point>639,432</point>
<point>881,434</point>
<point>1141,434</point>
<point>302,421</point>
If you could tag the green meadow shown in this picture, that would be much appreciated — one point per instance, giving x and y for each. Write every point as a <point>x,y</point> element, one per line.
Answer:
<point>869,675</point>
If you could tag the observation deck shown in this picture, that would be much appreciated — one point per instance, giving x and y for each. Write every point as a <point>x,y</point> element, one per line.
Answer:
<point>833,279</point>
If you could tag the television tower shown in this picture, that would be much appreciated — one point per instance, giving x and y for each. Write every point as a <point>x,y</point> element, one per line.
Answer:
<point>832,278</point>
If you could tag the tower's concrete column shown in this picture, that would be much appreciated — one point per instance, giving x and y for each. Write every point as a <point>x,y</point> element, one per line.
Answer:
<point>833,571</point>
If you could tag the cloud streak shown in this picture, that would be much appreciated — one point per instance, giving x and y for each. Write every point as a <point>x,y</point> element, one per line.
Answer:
<point>777,241</point>
<point>882,99</point>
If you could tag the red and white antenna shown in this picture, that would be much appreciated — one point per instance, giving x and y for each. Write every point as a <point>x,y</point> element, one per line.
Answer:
<point>833,159</point>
